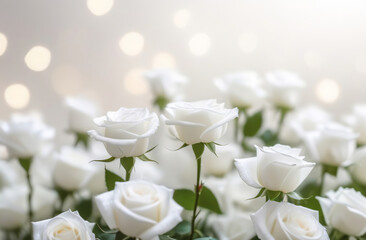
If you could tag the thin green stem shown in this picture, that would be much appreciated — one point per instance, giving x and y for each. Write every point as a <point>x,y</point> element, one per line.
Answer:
<point>322,178</point>
<point>197,196</point>
<point>30,195</point>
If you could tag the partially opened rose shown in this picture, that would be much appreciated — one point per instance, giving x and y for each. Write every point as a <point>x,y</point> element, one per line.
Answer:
<point>66,226</point>
<point>139,209</point>
<point>345,210</point>
<point>284,88</point>
<point>25,136</point>
<point>332,144</point>
<point>126,131</point>
<point>202,121</point>
<point>243,89</point>
<point>277,168</point>
<point>285,221</point>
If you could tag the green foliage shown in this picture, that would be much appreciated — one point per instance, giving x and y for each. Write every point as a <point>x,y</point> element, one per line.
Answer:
<point>198,149</point>
<point>128,163</point>
<point>269,138</point>
<point>183,146</point>
<point>253,124</point>
<point>211,146</point>
<point>111,179</point>
<point>185,198</point>
<point>25,163</point>
<point>82,138</point>
<point>85,208</point>
<point>104,160</point>
<point>144,158</point>
<point>332,170</point>
<point>161,102</point>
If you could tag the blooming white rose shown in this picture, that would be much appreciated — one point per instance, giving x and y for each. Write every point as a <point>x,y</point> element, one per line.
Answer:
<point>233,226</point>
<point>242,88</point>
<point>81,114</point>
<point>345,210</point>
<point>166,83</point>
<point>13,207</point>
<point>301,121</point>
<point>358,168</point>
<point>25,136</point>
<point>357,121</point>
<point>284,88</point>
<point>284,220</point>
<point>139,209</point>
<point>222,162</point>
<point>73,169</point>
<point>126,131</point>
<point>277,168</point>
<point>332,144</point>
<point>66,226</point>
<point>202,121</point>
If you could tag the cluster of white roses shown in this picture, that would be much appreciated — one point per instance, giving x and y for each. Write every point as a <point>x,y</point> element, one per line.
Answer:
<point>123,179</point>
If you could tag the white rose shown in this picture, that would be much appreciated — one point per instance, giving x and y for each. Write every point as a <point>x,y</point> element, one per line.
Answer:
<point>233,226</point>
<point>166,83</point>
<point>25,136</point>
<point>81,114</point>
<point>140,209</point>
<point>284,88</point>
<point>73,169</point>
<point>357,121</point>
<point>284,220</point>
<point>358,168</point>
<point>202,121</point>
<point>126,131</point>
<point>66,226</point>
<point>301,121</point>
<point>333,144</point>
<point>277,168</point>
<point>345,210</point>
<point>13,207</point>
<point>242,88</point>
<point>222,162</point>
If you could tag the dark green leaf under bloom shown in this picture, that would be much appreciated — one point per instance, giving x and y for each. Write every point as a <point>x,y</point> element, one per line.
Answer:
<point>111,179</point>
<point>253,124</point>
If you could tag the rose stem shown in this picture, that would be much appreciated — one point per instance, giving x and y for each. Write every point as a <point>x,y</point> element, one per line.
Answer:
<point>26,164</point>
<point>197,192</point>
<point>322,177</point>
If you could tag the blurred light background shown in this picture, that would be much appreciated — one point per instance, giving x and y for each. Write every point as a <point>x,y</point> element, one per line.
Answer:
<point>101,48</point>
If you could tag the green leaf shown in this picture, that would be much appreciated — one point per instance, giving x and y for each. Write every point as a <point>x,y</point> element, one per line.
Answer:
<point>85,208</point>
<point>111,178</point>
<point>269,138</point>
<point>127,163</point>
<point>211,146</point>
<point>164,237</point>
<point>253,124</point>
<point>206,238</point>
<point>208,200</point>
<point>198,149</point>
<point>104,160</point>
<point>261,193</point>
<point>185,198</point>
<point>82,138</point>
<point>332,170</point>
<point>143,157</point>
<point>25,163</point>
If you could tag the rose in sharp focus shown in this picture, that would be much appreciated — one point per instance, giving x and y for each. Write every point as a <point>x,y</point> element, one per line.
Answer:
<point>286,221</point>
<point>345,210</point>
<point>202,121</point>
<point>126,131</point>
<point>277,168</point>
<point>66,226</point>
<point>139,209</point>
<point>243,89</point>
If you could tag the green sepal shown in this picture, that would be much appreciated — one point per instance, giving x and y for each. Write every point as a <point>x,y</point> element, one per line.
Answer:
<point>111,178</point>
<point>261,193</point>
<point>211,146</point>
<point>82,138</point>
<point>25,163</point>
<point>151,149</point>
<point>332,170</point>
<point>127,163</point>
<point>183,146</point>
<point>296,196</point>
<point>111,159</point>
<point>253,124</point>
<point>161,102</point>
<point>144,158</point>
<point>273,195</point>
<point>198,149</point>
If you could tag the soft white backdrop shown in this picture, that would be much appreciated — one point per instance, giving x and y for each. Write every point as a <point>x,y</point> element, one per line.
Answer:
<point>319,39</point>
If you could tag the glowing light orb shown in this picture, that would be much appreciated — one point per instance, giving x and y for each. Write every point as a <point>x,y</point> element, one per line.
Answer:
<point>3,43</point>
<point>327,90</point>
<point>17,96</point>
<point>99,7</point>
<point>199,44</point>
<point>38,58</point>
<point>164,60</point>
<point>132,43</point>
<point>182,18</point>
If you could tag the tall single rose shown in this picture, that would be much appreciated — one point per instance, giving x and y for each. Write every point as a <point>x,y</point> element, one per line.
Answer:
<point>195,122</point>
<point>72,169</point>
<point>332,144</point>
<point>66,226</point>
<point>286,221</point>
<point>81,114</point>
<point>243,89</point>
<point>345,211</point>
<point>126,131</point>
<point>277,168</point>
<point>284,88</point>
<point>25,136</point>
<point>166,83</point>
<point>139,209</point>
